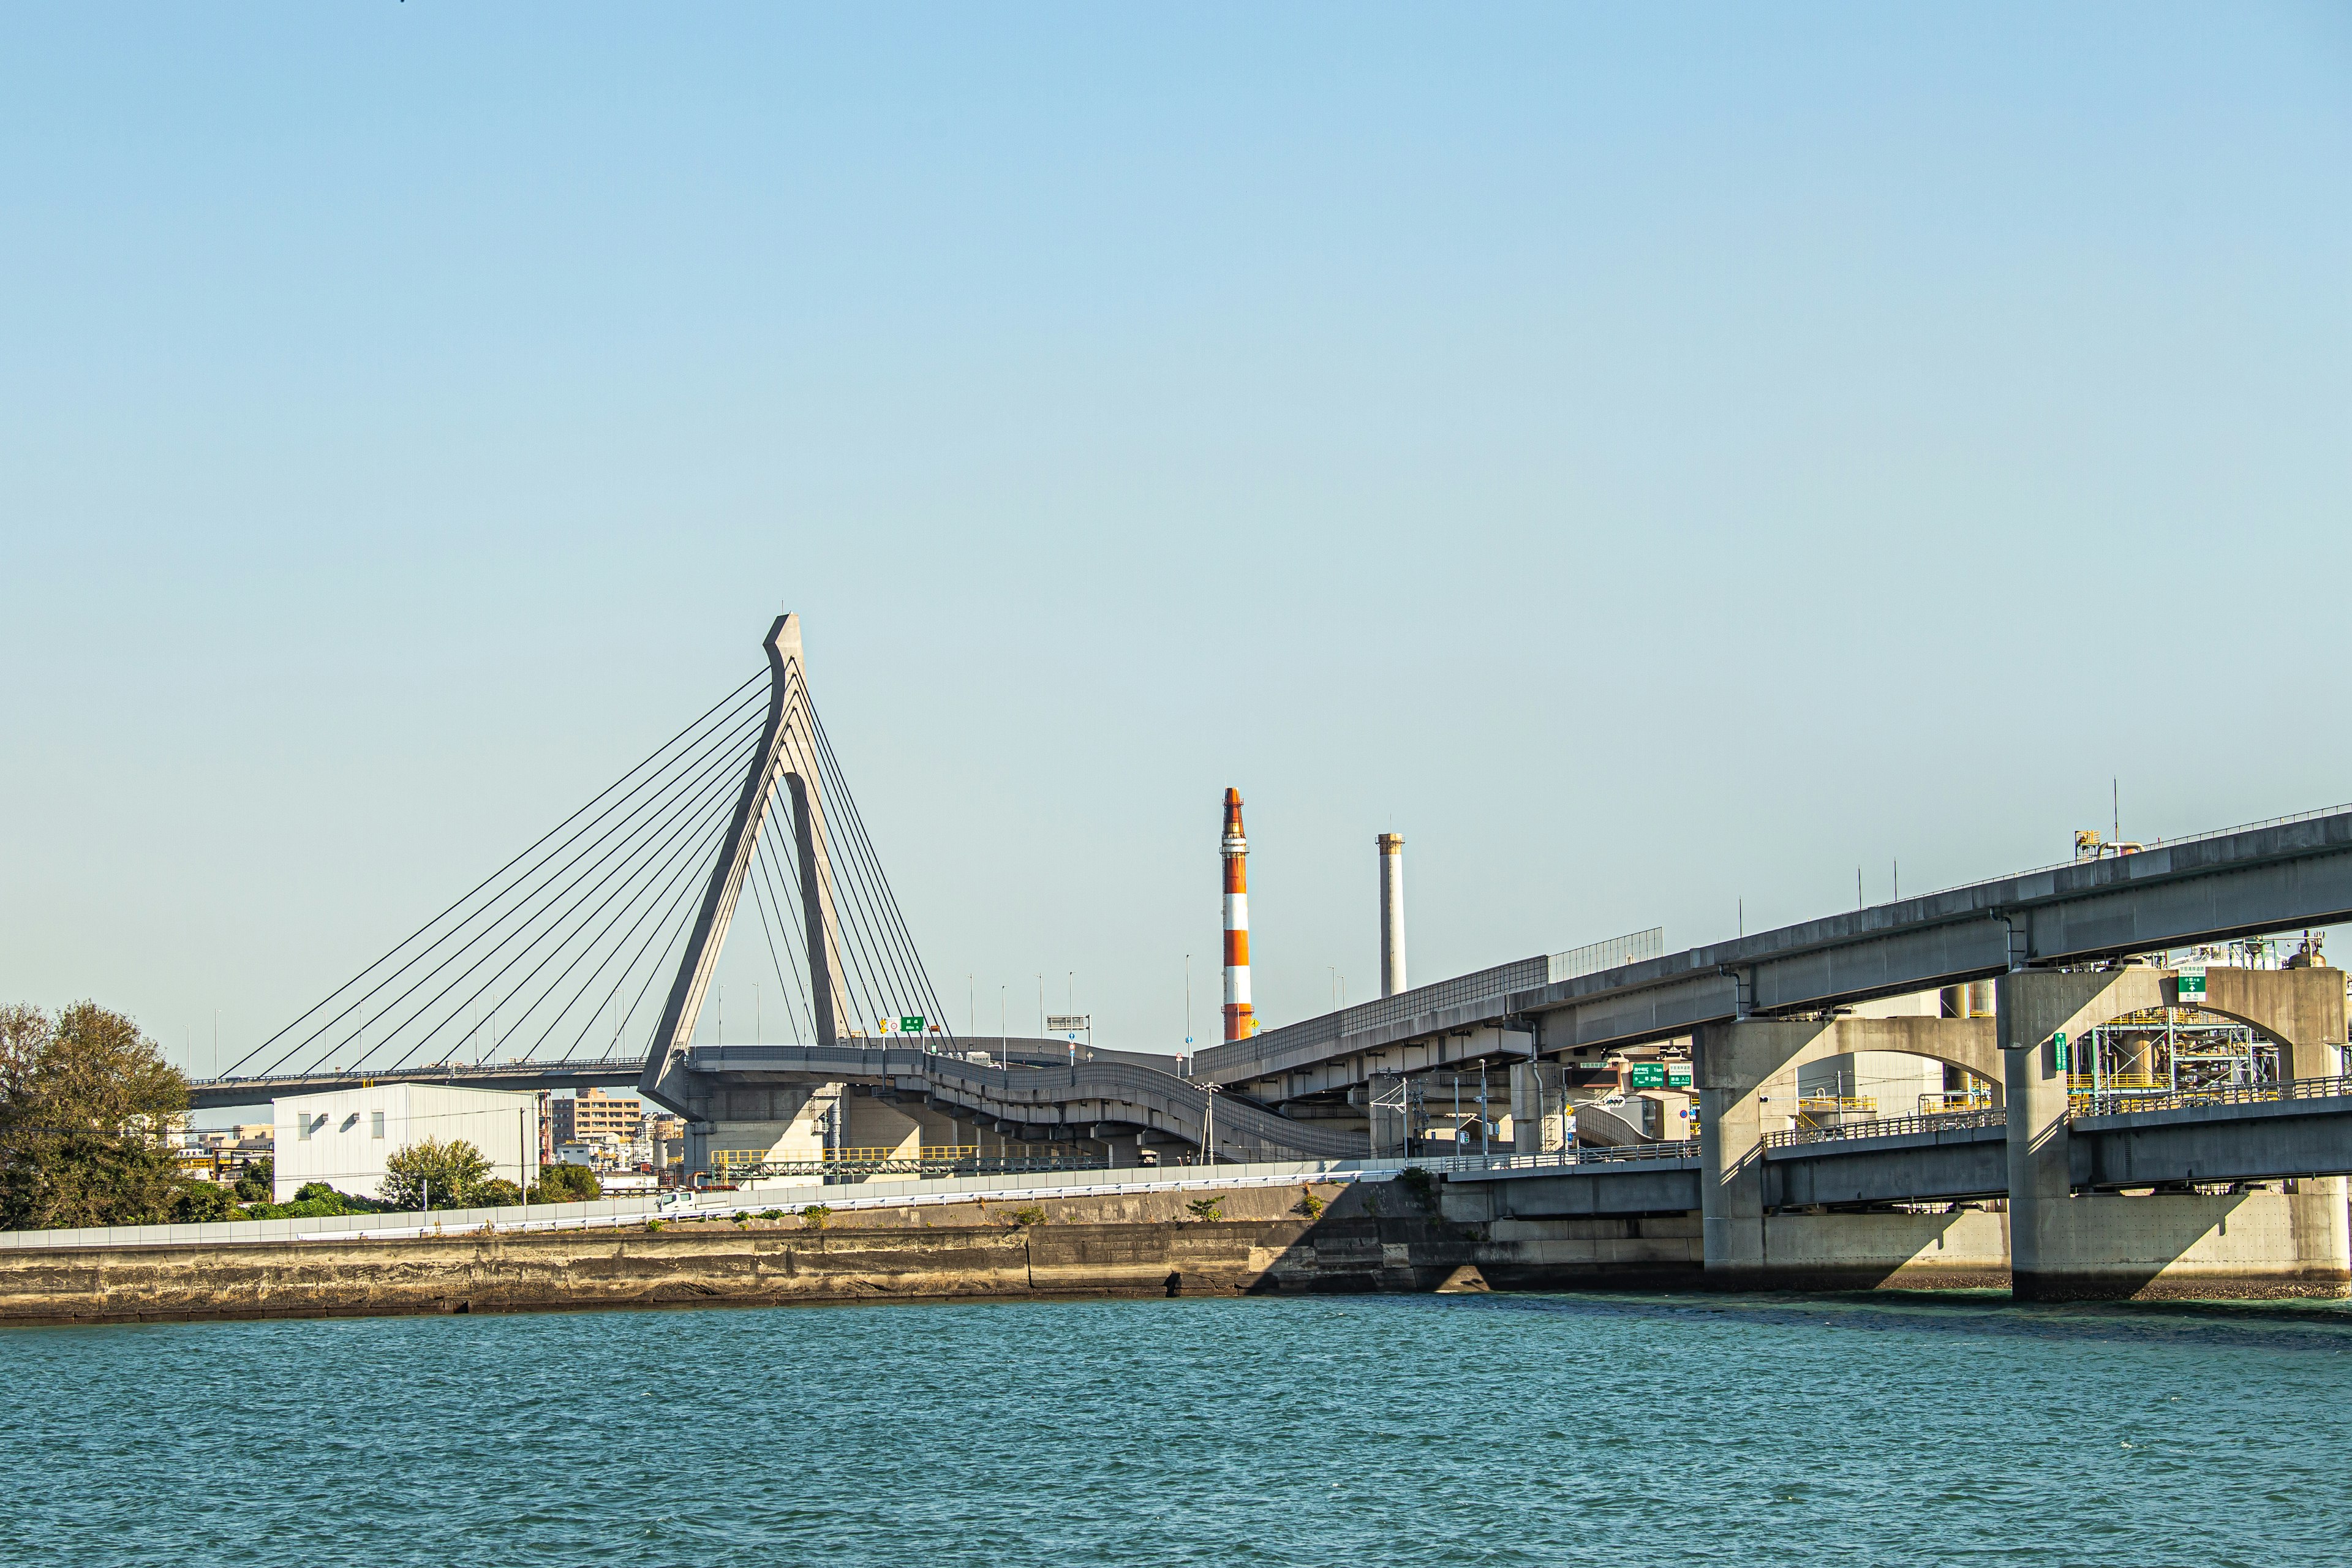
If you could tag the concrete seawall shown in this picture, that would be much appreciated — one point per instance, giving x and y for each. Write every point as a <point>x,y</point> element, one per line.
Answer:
<point>1262,1240</point>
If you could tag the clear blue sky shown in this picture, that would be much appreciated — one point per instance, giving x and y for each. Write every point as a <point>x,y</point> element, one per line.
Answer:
<point>1649,457</point>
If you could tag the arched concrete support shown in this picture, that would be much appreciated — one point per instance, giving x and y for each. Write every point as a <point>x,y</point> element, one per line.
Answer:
<point>2300,1010</point>
<point>1747,1076</point>
<point>1732,1064</point>
<point>2065,1246</point>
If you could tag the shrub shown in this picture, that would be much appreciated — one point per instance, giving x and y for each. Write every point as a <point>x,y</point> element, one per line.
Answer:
<point>565,1184</point>
<point>496,1194</point>
<point>200,1202</point>
<point>772,1214</point>
<point>742,1221</point>
<point>258,1182</point>
<point>1418,1182</point>
<point>1207,1209</point>
<point>1022,1218</point>
<point>656,1224</point>
<point>1308,1203</point>
<point>815,1215</point>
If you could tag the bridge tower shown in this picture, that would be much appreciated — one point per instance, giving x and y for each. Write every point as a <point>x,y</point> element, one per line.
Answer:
<point>786,762</point>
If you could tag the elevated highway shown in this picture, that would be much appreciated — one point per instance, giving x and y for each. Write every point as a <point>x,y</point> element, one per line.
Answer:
<point>2262,1133</point>
<point>2272,877</point>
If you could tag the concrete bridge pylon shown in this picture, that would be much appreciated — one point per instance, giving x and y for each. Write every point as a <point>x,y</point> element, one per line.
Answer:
<point>786,760</point>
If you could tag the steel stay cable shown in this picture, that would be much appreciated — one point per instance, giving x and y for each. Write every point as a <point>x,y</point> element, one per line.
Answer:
<point>688,810</point>
<point>686,886</point>
<point>787,989</point>
<point>871,922</point>
<point>575,848</point>
<point>844,945</point>
<point>692,793</point>
<point>662,964</point>
<point>683,842</point>
<point>863,842</point>
<point>868,951</point>
<point>847,945</point>
<point>680,826</point>
<point>677,798</point>
<point>686,869</point>
<point>765,886</point>
<point>463,899</point>
<point>790,917</point>
<point>889,900</point>
<point>846,993</point>
<point>847,962</point>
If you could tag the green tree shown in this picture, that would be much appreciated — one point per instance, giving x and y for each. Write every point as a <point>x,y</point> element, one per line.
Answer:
<point>565,1184</point>
<point>258,1183</point>
<point>449,1175</point>
<point>495,1193</point>
<point>199,1201</point>
<point>85,1102</point>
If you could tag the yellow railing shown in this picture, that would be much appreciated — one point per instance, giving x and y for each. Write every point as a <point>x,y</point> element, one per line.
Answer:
<point>1952,1100</point>
<point>1813,1104</point>
<point>2080,1083</point>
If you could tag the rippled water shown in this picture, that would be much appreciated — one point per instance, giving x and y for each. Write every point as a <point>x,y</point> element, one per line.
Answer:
<point>1501,1429</point>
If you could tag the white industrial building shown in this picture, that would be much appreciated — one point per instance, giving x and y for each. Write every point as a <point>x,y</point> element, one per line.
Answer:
<point>344,1136</point>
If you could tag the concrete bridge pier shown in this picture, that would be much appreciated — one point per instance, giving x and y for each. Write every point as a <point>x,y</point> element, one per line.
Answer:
<point>1734,1063</point>
<point>1746,1078</point>
<point>2066,1244</point>
<point>1542,1117</point>
<point>781,1121</point>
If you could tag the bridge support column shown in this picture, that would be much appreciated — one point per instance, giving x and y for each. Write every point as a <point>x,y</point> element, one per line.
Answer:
<point>2110,1246</point>
<point>1539,1112</point>
<point>1384,1104</point>
<point>1746,1071</point>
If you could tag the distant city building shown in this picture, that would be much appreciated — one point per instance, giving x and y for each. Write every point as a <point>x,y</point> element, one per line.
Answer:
<point>344,1136</point>
<point>594,1114</point>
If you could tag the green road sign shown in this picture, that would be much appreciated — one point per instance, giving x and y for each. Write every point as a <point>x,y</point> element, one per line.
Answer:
<point>2059,1039</point>
<point>1678,1075</point>
<point>1649,1075</point>
<point>2192,986</point>
<point>911,1026</point>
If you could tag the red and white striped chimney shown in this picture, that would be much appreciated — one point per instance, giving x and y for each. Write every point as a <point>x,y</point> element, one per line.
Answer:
<point>1241,1018</point>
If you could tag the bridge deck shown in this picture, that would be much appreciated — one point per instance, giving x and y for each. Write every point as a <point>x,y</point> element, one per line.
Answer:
<point>2275,877</point>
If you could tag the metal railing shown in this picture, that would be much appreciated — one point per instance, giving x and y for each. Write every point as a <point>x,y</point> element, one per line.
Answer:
<point>1634,947</point>
<point>2152,844</point>
<point>1682,1149</point>
<point>1479,985</point>
<point>1887,1126</point>
<point>2123,1102</point>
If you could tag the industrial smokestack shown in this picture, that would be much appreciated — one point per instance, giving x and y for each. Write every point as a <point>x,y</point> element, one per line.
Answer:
<point>1241,1018</point>
<point>1391,912</point>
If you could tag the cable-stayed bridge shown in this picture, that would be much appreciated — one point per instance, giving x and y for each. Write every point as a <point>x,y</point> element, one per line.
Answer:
<point>588,959</point>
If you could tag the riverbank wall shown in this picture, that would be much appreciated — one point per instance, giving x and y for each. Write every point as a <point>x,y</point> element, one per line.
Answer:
<point>1329,1237</point>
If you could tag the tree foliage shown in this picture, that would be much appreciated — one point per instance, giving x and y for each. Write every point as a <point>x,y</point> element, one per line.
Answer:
<point>565,1184</point>
<point>449,1174</point>
<point>258,1183</point>
<point>86,1101</point>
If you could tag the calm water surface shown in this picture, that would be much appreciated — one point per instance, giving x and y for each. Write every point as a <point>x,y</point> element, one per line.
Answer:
<point>1506,1429</point>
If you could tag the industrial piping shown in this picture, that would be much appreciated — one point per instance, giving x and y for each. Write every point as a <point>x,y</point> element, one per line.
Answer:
<point>1391,846</point>
<point>1241,1018</point>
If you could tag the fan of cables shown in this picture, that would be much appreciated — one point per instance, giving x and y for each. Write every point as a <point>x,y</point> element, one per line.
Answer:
<point>566,952</point>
